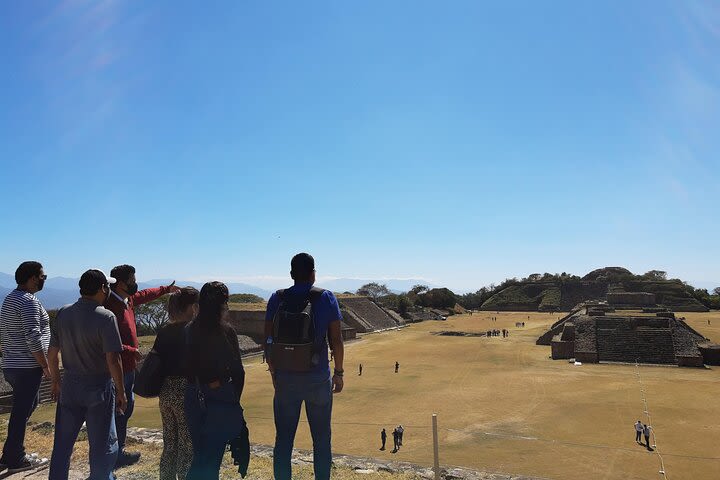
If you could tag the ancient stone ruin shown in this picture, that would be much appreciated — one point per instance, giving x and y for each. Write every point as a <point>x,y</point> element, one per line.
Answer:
<point>589,334</point>
<point>364,315</point>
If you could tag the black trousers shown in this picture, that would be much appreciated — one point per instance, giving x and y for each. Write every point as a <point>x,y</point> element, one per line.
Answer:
<point>638,436</point>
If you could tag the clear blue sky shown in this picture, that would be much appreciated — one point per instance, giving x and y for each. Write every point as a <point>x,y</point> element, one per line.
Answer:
<point>462,142</point>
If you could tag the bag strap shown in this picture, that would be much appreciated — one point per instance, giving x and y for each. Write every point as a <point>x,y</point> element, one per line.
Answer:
<point>281,297</point>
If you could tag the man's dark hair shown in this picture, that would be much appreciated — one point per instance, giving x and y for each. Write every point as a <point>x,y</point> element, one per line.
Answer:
<point>122,273</point>
<point>180,301</point>
<point>302,266</point>
<point>91,282</point>
<point>26,271</point>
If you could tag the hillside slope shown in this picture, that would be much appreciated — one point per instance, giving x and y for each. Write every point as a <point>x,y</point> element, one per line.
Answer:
<point>552,293</point>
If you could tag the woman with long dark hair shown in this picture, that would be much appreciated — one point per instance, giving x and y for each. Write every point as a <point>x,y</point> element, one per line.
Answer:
<point>177,451</point>
<point>215,376</point>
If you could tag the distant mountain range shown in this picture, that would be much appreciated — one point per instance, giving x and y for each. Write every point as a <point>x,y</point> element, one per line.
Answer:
<point>59,291</point>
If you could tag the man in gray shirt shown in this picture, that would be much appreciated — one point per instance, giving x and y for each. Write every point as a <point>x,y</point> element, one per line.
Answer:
<point>87,337</point>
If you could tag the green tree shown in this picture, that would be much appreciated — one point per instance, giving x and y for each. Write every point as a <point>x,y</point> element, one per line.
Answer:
<point>373,290</point>
<point>245,298</point>
<point>403,304</point>
<point>419,289</point>
<point>151,316</point>
<point>656,275</point>
<point>438,298</point>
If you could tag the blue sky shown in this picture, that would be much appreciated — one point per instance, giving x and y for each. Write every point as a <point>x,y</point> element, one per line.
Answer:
<point>459,142</point>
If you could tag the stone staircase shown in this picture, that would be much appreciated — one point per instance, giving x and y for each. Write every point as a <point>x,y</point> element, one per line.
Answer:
<point>643,344</point>
<point>366,314</point>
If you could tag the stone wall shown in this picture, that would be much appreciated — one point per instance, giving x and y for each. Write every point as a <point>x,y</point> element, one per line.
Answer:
<point>636,299</point>
<point>248,322</point>
<point>710,353</point>
<point>561,349</point>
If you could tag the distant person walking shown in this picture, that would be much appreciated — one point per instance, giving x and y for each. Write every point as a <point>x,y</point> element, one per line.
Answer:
<point>383,438</point>
<point>638,432</point>
<point>86,335</point>
<point>25,334</point>
<point>646,434</point>
<point>360,370</point>
<point>400,430</point>
<point>397,367</point>
<point>122,301</point>
<point>396,441</point>
<point>170,342</point>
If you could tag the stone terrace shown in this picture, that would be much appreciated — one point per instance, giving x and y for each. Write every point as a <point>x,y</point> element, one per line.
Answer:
<point>363,315</point>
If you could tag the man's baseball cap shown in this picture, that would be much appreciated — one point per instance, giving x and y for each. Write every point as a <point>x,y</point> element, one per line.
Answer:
<point>93,279</point>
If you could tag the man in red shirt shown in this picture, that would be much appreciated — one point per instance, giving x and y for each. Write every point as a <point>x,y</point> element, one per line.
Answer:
<point>123,297</point>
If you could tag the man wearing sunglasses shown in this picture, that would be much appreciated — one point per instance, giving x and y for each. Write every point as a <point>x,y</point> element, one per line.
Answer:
<point>25,334</point>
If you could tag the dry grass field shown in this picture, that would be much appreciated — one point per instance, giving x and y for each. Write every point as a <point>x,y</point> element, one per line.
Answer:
<point>504,406</point>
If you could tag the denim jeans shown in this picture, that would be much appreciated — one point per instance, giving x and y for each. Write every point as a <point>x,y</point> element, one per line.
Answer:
<point>211,427</point>
<point>291,390</point>
<point>89,399</point>
<point>25,383</point>
<point>121,421</point>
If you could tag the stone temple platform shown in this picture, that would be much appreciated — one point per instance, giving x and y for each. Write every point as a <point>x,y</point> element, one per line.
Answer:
<point>590,335</point>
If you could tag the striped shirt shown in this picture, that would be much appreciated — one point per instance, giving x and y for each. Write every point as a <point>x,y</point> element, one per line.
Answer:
<point>24,328</point>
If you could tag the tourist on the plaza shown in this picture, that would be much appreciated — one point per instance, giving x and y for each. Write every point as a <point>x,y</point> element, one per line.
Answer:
<point>177,451</point>
<point>646,434</point>
<point>25,335</point>
<point>122,301</point>
<point>400,430</point>
<point>397,367</point>
<point>396,441</point>
<point>638,432</point>
<point>360,370</point>
<point>215,377</point>
<point>383,439</point>
<point>307,378</point>
<point>86,335</point>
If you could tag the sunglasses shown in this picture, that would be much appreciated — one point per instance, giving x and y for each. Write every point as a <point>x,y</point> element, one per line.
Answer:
<point>42,277</point>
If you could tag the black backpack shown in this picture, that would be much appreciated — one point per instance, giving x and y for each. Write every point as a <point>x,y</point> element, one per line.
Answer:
<point>294,347</point>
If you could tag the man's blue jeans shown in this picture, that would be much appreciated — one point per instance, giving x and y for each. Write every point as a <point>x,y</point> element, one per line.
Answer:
<point>291,390</point>
<point>89,399</point>
<point>121,421</point>
<point>25,383</point>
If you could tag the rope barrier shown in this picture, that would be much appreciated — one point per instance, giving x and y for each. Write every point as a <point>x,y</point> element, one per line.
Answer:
<point>649,420</point>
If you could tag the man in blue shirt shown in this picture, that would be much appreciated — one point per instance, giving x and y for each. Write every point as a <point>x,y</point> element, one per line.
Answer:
<point>314,387</point>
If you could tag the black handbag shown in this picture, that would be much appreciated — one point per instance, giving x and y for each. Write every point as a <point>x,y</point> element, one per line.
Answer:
<point>149,379</point>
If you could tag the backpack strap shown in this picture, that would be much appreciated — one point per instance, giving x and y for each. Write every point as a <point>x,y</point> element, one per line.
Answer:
<point>315,294</point>
<point>281,296</point>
